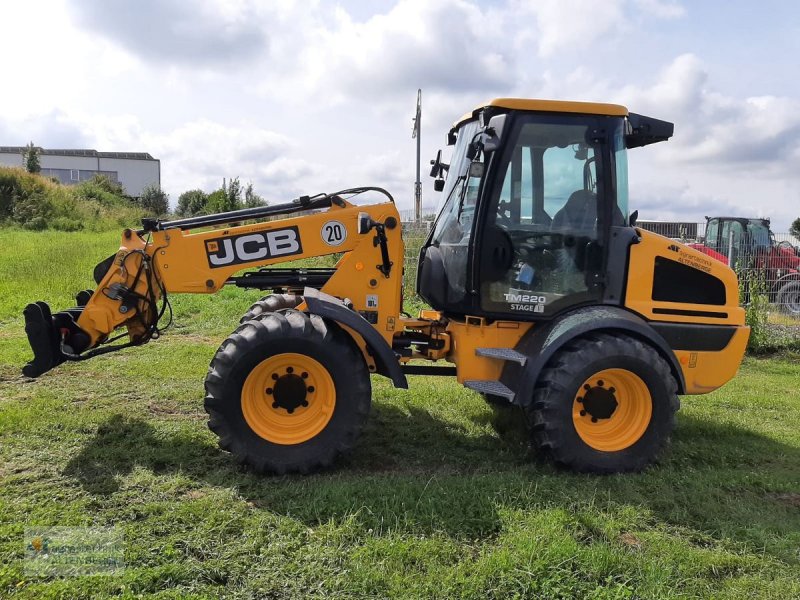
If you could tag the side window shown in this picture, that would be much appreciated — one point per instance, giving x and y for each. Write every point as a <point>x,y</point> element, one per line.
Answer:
<point>712,234</point>
<point>562,173</point>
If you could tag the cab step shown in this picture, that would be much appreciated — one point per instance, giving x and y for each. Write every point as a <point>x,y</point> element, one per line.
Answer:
<point>495,388</point>
<point>508,354</point>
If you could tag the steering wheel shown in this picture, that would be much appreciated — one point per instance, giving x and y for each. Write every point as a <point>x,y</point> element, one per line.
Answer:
<point>787,245</point>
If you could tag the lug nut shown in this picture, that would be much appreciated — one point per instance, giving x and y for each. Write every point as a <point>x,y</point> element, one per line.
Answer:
<point>274,405</point>
<point>275,376</point>
<point>269,390</point>
<point>310,388</point>
<point>304,375</point>
<point>583,413</point>
<point>289,370</point>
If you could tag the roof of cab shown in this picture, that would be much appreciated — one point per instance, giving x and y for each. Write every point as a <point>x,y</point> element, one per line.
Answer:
<point>556,106</point>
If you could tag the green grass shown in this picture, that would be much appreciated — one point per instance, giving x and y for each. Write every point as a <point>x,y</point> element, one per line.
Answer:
<point>441,499</point>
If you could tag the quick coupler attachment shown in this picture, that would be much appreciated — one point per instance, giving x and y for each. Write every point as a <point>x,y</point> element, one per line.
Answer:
<point>49,335</point>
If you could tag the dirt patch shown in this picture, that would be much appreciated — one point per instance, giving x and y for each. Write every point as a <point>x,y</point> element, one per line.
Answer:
<point>789,498</point>
<point>630,541</point>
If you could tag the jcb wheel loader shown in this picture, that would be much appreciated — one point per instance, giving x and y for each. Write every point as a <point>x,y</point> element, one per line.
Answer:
<point>543,293</point>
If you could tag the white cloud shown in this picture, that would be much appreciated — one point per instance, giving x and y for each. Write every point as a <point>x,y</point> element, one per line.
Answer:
<point>173,31</point>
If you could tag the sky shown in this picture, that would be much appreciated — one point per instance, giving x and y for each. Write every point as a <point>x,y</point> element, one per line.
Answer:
<point>307,96</point>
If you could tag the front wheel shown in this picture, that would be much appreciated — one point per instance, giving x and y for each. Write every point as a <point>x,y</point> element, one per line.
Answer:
<point>287,393</point>
<point>606,403</point>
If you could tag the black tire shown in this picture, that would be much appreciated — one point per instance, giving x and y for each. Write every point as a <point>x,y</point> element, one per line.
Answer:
<point>270,304</point>
<point>550,415</point>
<point>277,334</point>
<point>789,298</point>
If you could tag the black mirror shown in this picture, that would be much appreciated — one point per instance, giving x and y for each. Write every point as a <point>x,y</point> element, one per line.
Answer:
<point>438,185</point>
<point>633,218</point>
<point>435,164</point>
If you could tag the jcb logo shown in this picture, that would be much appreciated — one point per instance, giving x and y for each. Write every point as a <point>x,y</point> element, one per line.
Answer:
<point>251,247</point>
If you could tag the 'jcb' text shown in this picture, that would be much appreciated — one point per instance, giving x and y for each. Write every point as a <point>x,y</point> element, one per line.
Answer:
<point>251,247</point>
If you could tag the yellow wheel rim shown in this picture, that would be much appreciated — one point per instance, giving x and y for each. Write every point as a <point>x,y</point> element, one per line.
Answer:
<point>288,398</point>
<point>612,410</point>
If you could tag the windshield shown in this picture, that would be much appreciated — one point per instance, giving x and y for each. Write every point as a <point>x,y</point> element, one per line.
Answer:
<point>761,235</point>
<point>459,163</point>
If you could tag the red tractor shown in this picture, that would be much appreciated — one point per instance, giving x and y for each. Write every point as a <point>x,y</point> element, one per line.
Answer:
<point>749,244</point>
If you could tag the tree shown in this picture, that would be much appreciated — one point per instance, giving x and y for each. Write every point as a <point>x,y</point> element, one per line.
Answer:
<point>234,194</point>
<point>154,200</point>
<point>794,228</point>
<point>217,202</point>
<point>191,203</point>
<point>31,158</point>
<point>251,199</point>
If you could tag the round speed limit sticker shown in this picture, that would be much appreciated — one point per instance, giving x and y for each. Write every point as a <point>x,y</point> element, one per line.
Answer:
<point>334,233</point>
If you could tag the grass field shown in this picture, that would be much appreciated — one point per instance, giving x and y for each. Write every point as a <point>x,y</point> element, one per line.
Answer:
<point>441,499</point>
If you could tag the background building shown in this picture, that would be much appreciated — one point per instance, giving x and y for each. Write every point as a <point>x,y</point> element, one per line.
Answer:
<point>134,170</point>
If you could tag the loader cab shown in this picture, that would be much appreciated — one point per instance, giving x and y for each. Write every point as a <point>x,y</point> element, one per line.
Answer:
<point>532,193</point>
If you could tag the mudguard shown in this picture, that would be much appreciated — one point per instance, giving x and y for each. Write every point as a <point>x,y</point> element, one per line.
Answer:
<point>541,343</point>
<point>330,307</point>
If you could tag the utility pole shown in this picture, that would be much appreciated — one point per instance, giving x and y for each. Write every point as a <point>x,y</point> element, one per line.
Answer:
<point>417,133</point>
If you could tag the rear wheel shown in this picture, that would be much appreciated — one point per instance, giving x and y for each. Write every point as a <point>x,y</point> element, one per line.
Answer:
<point>287,393</point>
<point>605,404</point>
<point>789,298</point>
<point>270,304</point>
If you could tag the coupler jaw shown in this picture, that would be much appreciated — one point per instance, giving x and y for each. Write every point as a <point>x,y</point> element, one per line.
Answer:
<point>53,338</point>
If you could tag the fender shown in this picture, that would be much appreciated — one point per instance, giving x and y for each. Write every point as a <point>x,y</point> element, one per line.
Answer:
<point>541,343</point>
<point>330,307</point>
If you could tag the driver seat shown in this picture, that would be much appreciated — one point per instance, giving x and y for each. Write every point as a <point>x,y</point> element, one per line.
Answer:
<point>578,215</point>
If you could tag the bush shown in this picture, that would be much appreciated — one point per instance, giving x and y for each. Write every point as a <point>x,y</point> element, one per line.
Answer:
<point>35,202</point>
<point>753,295</point>
<point>65,224</point>
<point>35,224</point>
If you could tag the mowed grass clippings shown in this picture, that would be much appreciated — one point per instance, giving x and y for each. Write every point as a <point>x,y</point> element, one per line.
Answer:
<point>441,499</point>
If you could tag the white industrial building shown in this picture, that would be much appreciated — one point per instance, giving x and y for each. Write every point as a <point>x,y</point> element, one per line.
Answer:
<point>134,170</point>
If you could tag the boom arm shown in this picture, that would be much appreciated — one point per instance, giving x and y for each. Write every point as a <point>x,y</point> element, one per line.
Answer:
<point>168,257</point>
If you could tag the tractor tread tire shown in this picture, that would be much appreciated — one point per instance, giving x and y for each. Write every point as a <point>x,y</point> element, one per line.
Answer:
<point>788,297</point>
<point>549,416</point>
<point>270,304</point>
<point>273,334</point>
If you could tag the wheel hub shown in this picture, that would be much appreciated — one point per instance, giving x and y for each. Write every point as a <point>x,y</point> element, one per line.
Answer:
<point>598,401</point>
<point>289,391</point>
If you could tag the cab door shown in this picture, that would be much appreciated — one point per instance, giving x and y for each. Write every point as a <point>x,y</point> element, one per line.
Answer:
<point>542,245</point>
